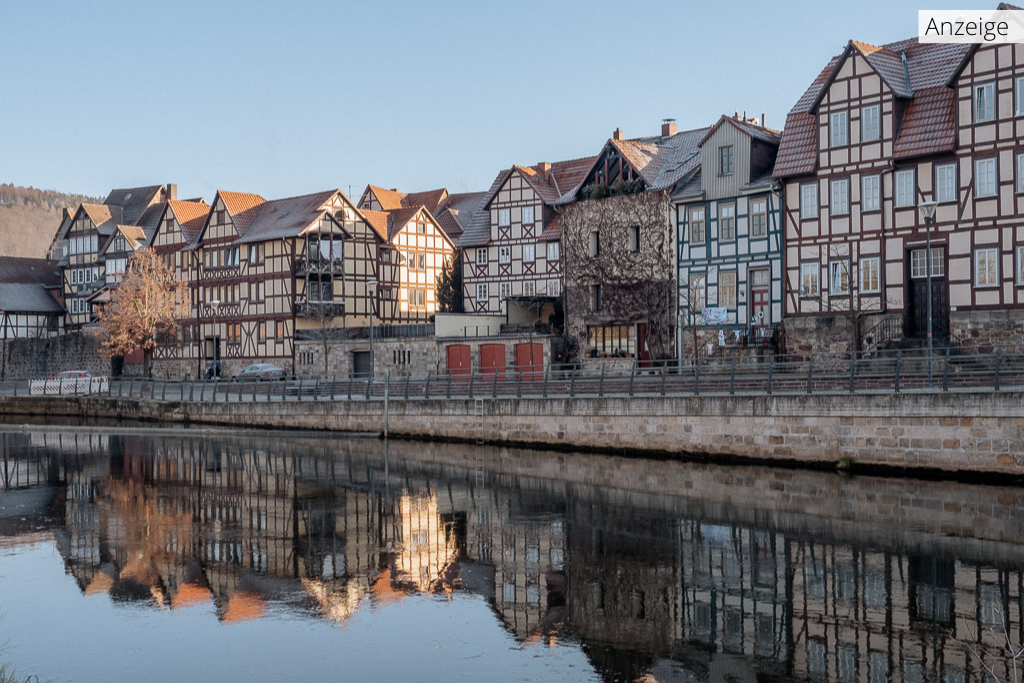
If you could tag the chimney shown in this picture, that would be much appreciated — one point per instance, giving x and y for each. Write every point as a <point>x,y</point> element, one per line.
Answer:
<point>762,119</point>
<point>668,127</point>
<point>617,135</point>
<point>545,169</point>
<point>172,191</point>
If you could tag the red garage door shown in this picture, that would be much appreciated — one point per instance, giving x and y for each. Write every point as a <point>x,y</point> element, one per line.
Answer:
<point>460,363</point>
<point>530,360</point>
<point>492,360</point>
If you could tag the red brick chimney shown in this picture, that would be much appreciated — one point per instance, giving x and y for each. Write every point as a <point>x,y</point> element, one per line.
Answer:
<point>668,127</point>
<point>172,192</point>
<point>617,135</point>
<point>544,168</point>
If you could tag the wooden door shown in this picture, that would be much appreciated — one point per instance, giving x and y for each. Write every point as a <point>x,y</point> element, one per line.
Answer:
<point>460,361</point>
<point>530,360</point>
<point>492,360</point>
<point>917,308</point>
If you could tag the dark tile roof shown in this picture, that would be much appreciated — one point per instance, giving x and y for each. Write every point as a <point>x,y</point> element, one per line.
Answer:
<point>27,297</point>
<point>29,270</point>
<point>929,124</point>
<point>798,152</point>
<point>478,232</point>
<point>288,217</point>
<point>133,201</point>
<point>691,189</point>
<point>750,128</point>
<point>150,217</point>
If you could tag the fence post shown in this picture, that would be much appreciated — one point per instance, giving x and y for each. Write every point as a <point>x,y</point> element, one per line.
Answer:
<point>448,387</point>
<point>472,380</point>
<point>572,384</point>
<point>945,372</point>
<point>334,379</point>
<point>853,371</point>
<point>896,380</point>
<point>600,384</point>
<point>152,389</point>
<point>545,391</point>
<point>771,371</point>
<point>408,378</point>
<point>369,385</point>
<point>519,383</point>
<point>494,393</point>
<point>696,380</point>
<point>999,362</point>
<point>732,375</point>
<point>351,377</point>
<point>270,384</point>
<point>316,388</point>
<point>664,376</point>
<point>426,385</point>
<point>810,374</point>
<point>632,375</point>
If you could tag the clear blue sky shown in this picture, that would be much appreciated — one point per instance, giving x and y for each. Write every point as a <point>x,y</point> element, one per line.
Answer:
<point>295,97</point>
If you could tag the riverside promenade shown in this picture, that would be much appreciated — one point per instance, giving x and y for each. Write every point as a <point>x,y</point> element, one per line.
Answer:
<point>964,416</point>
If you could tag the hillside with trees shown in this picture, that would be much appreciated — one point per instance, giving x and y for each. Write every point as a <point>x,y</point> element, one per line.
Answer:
<point>30,217</point>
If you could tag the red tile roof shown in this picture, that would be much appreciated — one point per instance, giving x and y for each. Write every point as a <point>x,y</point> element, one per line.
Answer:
<point>432,199</point>
<point>242,207</point>
<point>388,199</point>
<point>378,220</point>
<point>191,216</point>
<point>929,124</point>
<point>103,216</point>
<point>798,152</point>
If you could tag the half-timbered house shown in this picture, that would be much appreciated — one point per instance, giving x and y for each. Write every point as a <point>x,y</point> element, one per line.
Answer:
<point>880,131</point>
<point>512,248</point>
<point>728,230</point>
<point>619,245</point>
<point>30,289</point>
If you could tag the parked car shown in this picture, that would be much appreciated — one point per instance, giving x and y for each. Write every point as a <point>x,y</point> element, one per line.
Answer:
<point>259,372</point>
<point>72,374</point>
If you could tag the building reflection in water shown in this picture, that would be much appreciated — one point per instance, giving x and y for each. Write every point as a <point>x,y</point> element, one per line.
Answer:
<point>655,586</point>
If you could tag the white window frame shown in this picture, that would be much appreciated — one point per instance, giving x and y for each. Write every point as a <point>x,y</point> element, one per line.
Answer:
<point>482,292</point>
<point>1018,96</point>
<point>988,169</point>
<point>945,182</point>
<point>918,264</point>
<point>528,215</point>
<point>872,266</point>
<point>876,117</point>
<point>758,207</point>
<point>1019,249</point>
<point>727,215</point>
<point>529,288</point>
<point>554,287</point>
<point>729,302</point>
<point>984,257</point>
<point>697,216</point>
<point>504,254</point>
<point>504,217</point>
<point>504,290</point>
<point>529,253</point>
<point>1019,180</point>
<point>810,269</point>
<point>838,271</point>
<point>553,250</point>
<point>870,193</point>
<point>903,186</point>
<point>989,111</point>
<point>836,208</point>
<point>481,256</point>
<point>839,129</point>
<point>809,204</point>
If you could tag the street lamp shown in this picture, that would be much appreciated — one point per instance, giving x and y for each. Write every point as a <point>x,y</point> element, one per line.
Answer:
<point>371,287</point>
<point>928,213</point>
<point>215,369</point>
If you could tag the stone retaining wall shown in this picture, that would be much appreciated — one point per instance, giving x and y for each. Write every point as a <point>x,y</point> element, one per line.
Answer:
<point>974,432</point>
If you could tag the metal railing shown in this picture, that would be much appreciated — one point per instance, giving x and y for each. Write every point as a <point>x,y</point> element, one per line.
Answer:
<point>883,373</point>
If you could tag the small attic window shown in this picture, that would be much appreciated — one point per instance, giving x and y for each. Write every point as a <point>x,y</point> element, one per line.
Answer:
<point>128,196</point>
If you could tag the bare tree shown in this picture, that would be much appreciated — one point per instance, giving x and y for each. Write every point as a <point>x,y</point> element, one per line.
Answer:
<point>1003,654</point>
<point>146,306</point>
<point>622,246</point>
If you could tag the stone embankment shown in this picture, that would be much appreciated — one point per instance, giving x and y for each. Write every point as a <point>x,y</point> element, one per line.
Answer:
<point>976,432</point>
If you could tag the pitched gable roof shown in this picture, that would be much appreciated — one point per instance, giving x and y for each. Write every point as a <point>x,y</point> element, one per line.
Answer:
<point>478,232</point>
<point>133,201</point>
<point>388,199</point>
<point>378,220</point>
<point>242,207</point>
<point>103,217</point>
<point>27,297</point>
<point>457,213</point>
<point>29,270</point>
<point>288,217</point>
<point>748,128</point>
<point>190,216</point>
<point>432,199</point>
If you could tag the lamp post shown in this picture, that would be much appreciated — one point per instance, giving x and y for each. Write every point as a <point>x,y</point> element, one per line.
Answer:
<point>371,287</point>
<point>928,213</point>
<point>215,368</point>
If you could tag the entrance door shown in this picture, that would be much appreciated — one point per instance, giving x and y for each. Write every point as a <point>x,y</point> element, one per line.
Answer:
<point>492,360</point>
<point>361,365</point>
<point>760,303</point>
<point>643,346</point>
<point>460,363</point>
<point>530,360</point>
<point>917,301</point>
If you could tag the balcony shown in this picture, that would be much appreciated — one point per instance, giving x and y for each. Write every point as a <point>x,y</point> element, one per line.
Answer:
<point>316,310</point>
<point>328,266</point>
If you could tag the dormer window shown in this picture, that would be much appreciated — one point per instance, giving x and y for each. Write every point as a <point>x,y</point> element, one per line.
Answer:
<point>725,160</point>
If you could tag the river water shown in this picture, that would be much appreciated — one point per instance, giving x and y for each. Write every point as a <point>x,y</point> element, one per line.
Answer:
<point>169,556</point>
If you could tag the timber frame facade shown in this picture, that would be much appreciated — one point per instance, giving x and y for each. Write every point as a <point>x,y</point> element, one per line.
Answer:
<point>512,261</point>
<point>728,220</point>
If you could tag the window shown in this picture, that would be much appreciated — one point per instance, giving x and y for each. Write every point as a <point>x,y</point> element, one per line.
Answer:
<point>1020,173</point>
<point>481,257</point>
<point>595,297</point>
<point>840,203</point>
<point>984,102</point>
<point>505,254</point>
<point>554,287</point>
<point>905,188</point>
<point>610,340</point>
<point>839,277</point>
<point>727,222</point>
<point>254,253</point>
<point>697,226</point>
<point>758,217</point>
<point>529,288</point>
<point>838,129</point>
<point>870,269</point>
<point>727,289</point>
<point>634,238</point>
<point>527,215</point>
<point>869,123</point>
<point>504,217</point>
<point>725,160</point>
<point>1018,96</point>
<point>697,293</point>
<point>553,251</point>
<point>985,177</point>
<point>529,253</point>
<point>986,267</point>
<point>809,274</point>
<point>945,182</point>
<point>918,264</point>
<point>1020,264</point>
<point>870,193</point>
<point>595,243</point>
<point>505,290</point>
<point>481,291</point>
<point>809,201</point>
